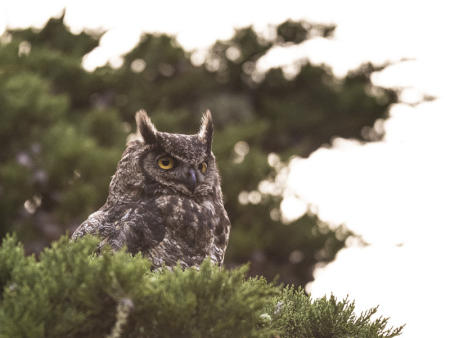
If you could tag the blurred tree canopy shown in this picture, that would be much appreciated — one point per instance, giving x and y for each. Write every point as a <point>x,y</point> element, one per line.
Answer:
<point>63,130</point>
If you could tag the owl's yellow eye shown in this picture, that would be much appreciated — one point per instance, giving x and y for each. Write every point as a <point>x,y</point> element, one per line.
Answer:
<point>166,162</point>
<point>203,166</point>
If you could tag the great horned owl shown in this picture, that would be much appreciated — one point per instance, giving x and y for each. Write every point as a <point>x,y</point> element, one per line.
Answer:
<point>165,199</point>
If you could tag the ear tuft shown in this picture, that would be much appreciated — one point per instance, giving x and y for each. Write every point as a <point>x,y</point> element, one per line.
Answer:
<point>146,128</point>
<point>206,130</point>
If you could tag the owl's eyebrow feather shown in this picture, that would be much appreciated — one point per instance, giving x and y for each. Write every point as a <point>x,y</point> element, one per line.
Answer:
<point>206,130</point>
<point>146,128</point>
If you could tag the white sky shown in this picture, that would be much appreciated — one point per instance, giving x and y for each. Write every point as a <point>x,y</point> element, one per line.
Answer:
<point>395,192</point>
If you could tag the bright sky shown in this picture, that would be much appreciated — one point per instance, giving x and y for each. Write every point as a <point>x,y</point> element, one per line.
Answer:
<point>395,192</point>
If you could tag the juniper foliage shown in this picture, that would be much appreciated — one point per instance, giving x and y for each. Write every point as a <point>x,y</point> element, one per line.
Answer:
<point>297,315</point>
<point>73,292</point>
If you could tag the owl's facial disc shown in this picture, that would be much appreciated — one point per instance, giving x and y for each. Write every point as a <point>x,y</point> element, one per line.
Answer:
<point>189,178</point>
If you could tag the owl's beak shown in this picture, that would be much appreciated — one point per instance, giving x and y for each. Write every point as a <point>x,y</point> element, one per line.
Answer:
<point>191,179</point>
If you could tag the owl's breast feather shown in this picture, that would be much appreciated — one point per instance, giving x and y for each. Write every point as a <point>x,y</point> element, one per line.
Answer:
<point>182,212</point>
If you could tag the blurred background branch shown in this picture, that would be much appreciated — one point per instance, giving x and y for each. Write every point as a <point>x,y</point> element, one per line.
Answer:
<point>63,129</point>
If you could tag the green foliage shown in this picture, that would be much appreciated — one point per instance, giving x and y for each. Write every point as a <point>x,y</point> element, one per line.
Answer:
<point>297,315</point>
<point>12,262</point>
<point>73,292</point>
<point>62,130</point>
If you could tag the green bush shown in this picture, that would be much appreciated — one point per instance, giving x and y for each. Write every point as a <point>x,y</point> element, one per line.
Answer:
<point>296,315</point>
<point>72,292</point>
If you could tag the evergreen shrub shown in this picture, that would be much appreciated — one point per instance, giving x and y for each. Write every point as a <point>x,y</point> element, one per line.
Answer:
<point>71,291</point>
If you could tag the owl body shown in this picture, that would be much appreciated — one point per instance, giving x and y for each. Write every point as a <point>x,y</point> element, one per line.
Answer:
<point>165,199</point>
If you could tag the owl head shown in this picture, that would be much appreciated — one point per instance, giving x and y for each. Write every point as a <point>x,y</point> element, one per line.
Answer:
<point>184,163</point>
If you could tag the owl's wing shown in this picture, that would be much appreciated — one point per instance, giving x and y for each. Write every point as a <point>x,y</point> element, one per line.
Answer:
<point>90,226</point>
<point>221,236</point>
<point>139,227</point>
